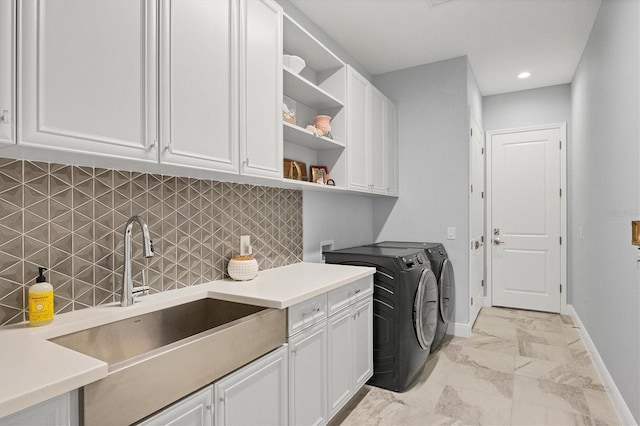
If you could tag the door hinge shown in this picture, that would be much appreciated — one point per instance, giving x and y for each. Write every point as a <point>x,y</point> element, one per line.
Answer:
<point>560,240</point>
<point>482,239</point>
<point>482,283</point>
<point>482,194</point>
<point>560,288</point>
<point>561,192</point>
<point>472,131</point>
<point>471,188</point>
<point>472,301</point>
<point>482,152</point>
<point>560,143</point>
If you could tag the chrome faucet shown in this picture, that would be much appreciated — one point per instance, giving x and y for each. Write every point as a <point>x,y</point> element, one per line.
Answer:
<point>128,291</point>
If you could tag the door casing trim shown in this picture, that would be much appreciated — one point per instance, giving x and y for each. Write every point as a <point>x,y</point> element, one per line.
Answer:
<point>563,206</point>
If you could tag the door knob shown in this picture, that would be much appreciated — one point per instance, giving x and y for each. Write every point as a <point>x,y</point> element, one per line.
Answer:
<point>497,241</point>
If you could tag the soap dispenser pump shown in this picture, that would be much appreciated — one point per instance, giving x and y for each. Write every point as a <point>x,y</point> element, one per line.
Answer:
<point>40,301</point>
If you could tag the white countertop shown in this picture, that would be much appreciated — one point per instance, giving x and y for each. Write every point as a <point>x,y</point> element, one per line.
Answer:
<point>32,369</point>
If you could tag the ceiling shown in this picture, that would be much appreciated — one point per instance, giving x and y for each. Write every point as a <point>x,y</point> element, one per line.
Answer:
<point>501,37</point>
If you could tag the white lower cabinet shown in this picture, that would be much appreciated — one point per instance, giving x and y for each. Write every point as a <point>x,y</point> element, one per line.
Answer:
<point>256,394</point>
<point>194,410</point>
<point>330,351</point>
<point>308,376</point>
<point>350,352</point>
<point>59,411</point>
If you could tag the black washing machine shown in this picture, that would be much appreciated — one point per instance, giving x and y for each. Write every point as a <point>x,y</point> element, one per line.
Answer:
<point>443,270</point>
<point>405,310</point>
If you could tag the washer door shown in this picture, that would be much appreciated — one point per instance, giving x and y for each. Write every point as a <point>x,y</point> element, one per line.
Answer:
<point>447,291</point>
<point>425,309</point>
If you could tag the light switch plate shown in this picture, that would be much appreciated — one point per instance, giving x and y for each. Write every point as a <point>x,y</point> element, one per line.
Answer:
<point>451,233</point>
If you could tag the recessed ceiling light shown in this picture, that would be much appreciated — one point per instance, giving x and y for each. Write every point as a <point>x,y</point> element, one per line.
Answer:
<point>524,74</point>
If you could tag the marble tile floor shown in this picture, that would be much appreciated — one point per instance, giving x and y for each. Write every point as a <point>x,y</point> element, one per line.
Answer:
<point>517,368</point>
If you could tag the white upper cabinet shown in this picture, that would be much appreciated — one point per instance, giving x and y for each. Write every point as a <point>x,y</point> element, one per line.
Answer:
<point>261,88</point>
<point>376,139</point>
<point>199,84</point>
<point>88,72</point>
<point>371,138</point>
<point>391,154</point>
<point>7,72</point>
<point>358,146</point>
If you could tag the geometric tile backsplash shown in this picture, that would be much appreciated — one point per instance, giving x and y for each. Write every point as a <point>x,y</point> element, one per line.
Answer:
<point>71,220</point>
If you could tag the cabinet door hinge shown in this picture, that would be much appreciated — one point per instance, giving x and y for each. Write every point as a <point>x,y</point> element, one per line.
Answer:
<point>482,152</point>
<point>560,143</point>
<point>482,194</point>
<point>472,131</point>
<point>471,188</point>
<point>472,301</point>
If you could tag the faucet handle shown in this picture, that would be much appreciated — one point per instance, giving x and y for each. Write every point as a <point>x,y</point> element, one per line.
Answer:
<point>142,290</point>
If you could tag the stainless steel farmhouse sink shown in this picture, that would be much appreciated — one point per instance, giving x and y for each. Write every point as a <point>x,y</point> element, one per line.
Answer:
<point>157,358</point>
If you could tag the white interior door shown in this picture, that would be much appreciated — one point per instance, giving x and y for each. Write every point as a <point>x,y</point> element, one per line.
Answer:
<point>526,216</point>
<point>476,197</point>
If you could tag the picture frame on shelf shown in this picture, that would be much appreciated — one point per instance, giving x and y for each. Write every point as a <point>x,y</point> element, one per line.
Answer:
<point>319,174</point>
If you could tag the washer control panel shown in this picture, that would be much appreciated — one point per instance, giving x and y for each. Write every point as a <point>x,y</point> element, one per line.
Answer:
<point>414,260</point>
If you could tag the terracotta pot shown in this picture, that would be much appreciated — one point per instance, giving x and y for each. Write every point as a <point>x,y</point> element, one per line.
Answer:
<point>322,123</point>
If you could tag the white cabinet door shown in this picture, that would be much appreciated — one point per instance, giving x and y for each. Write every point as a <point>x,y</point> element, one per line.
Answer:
<point>308,376</point>
<point>255,394</point>
<point>261,88</point>
<point>376,139</point>
<point>199,84</point>
<point>391,148</point>
<point>363,342</point>
<point>59,411</point>
<point>7,72</point>
<point>88,73</point>
<point>358,162</point>
<point>340,360</point>
<point>194,410</point>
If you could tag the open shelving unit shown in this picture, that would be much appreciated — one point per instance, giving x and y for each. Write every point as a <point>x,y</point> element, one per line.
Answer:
<point>319,89</point>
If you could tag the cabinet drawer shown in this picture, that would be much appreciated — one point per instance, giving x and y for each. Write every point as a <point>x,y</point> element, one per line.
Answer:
<point>341,297</point>
<point>307,313</point>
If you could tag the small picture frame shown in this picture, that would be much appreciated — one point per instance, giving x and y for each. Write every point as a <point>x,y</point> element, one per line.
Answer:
<point>319,174</point>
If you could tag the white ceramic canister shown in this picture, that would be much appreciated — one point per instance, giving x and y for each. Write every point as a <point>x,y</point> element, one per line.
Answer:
<point>242,268</point>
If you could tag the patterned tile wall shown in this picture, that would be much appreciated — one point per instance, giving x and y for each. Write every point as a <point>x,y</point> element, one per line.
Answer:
<point>71,220</point>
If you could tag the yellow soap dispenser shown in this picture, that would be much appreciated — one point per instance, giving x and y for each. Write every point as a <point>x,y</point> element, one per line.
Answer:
<point>40,301</point>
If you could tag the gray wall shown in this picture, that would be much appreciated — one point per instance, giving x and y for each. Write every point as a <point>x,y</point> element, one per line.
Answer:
<point>605,193</point>
<point>346,219</point>
<point>434,164</point>
<point>528,108</point>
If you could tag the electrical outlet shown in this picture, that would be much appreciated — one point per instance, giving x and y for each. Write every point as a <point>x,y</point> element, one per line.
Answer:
<point>326,245</point>
<point>451,233</point>
<point>245,245</point>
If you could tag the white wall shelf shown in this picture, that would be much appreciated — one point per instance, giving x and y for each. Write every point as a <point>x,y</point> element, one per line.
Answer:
<point>298,135</point>
<point>302,90</point>
<point>299,42</point>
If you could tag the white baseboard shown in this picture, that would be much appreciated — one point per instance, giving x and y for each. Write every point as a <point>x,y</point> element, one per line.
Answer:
<point>616,397</point>
<point>459,329</point>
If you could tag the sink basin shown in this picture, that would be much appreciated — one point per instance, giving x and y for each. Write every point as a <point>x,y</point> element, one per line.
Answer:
<point>157,358</point>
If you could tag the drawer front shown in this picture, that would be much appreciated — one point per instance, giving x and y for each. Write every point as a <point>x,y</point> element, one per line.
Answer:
<point>307,313</point>
<point>342,297</point>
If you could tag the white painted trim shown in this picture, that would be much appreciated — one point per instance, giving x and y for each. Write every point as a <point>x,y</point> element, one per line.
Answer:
<point>563,207</point>
<point>459,329</point>
<point>619,403</point>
